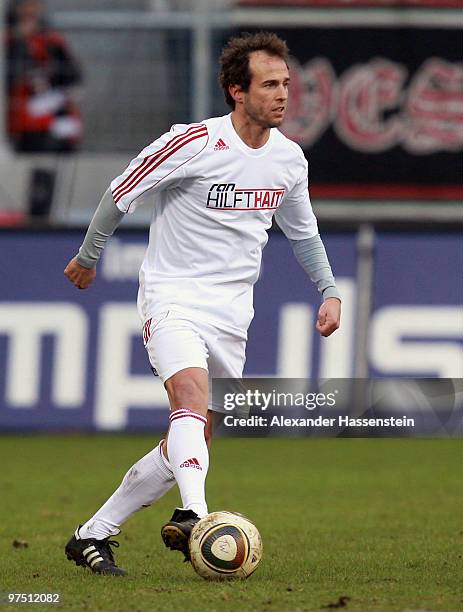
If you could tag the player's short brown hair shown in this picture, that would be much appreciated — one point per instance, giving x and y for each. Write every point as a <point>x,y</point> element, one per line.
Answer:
<point>234,59</point>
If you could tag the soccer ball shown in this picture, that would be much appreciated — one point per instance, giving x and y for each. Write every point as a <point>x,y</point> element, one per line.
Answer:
<point>225,545</point>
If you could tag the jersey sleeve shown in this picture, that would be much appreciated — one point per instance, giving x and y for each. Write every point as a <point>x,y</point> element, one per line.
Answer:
<point>159,166</point>
<point>295,215</point>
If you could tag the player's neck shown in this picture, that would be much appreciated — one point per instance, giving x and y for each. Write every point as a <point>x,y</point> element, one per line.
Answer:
<point>255,136</point>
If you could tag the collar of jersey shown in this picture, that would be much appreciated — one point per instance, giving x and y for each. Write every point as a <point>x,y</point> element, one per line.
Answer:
<point>244,147</point>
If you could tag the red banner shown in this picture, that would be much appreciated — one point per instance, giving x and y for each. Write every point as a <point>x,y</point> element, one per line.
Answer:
<point>378,111</point>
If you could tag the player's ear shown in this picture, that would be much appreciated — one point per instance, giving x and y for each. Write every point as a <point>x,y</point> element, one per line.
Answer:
<point>236,93</point>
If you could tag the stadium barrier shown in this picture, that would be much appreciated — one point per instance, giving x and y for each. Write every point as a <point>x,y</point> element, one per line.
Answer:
<point>74,360</point>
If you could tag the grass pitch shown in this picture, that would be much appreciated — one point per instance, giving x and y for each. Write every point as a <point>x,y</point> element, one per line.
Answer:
<point>376,521</point>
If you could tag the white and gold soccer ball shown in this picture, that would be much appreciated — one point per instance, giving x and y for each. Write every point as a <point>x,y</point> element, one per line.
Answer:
<point>225,545</point>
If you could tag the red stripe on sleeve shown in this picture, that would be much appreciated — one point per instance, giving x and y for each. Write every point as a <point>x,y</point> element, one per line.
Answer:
<point>155,163</point>
<point>147,160</point>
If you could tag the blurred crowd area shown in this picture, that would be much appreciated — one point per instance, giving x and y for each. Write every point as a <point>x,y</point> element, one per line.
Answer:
<point>120,86</point>
<point>41,73</point>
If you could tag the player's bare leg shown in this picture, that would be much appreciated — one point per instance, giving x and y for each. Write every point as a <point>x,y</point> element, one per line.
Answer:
<point>214,419</point>
<point>187,452</point>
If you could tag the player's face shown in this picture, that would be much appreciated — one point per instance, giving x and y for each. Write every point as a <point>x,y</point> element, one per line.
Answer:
<point>266,100</point>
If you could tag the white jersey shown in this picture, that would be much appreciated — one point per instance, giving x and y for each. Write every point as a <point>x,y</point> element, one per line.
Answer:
<point>214,198</point>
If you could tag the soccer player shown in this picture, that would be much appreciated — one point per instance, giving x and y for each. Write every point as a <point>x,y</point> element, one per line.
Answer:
<point>214,187</point>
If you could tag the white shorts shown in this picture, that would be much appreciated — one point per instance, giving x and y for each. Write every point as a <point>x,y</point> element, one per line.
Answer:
<point>174,342</point>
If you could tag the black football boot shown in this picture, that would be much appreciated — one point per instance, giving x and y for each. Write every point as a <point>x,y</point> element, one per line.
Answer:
<point>176,532</point>
<point>94,554</point>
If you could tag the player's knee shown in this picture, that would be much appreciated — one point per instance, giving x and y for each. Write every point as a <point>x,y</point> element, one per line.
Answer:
<point>187,392</point>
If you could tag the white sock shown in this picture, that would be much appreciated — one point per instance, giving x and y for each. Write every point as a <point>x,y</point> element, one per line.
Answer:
<point>189,457</point>
<point>147,481</point>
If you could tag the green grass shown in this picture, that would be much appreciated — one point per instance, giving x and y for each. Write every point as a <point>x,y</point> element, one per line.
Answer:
<point>379,521</point>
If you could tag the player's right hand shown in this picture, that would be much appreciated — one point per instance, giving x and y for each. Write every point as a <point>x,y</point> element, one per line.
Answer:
<point>79,276</point>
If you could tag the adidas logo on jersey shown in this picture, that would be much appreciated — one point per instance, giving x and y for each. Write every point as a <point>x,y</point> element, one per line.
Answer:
<point>221,145</point>
<point>194,463</point>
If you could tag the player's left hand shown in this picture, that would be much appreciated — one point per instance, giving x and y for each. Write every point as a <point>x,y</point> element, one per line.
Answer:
<point>79,276</point>
<point>329,317</point>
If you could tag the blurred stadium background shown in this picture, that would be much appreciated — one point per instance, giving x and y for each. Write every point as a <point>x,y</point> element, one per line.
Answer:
<point>377,105</point>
